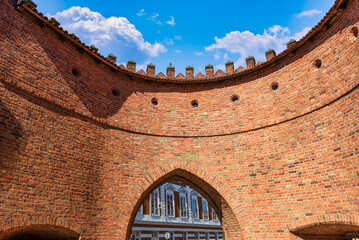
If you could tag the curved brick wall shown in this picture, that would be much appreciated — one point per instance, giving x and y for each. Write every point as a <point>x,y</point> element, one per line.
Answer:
<point>72,151</point>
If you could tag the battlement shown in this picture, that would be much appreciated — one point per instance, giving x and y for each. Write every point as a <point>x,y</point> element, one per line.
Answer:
<point>210,75</point>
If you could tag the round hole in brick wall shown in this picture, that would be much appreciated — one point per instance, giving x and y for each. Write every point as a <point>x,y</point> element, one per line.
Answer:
<point>354,31</point>
<point>235,98</point>
<point>75,72</point>
<point>154,101</point>
<point>115,92</point>
<point>318,63</point>
<point>275,86</point>
<point>194,103</point>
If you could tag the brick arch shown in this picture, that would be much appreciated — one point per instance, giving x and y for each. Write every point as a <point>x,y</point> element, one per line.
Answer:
<point>234,216</point>
<point>25,221</point>
<point>302,226</point>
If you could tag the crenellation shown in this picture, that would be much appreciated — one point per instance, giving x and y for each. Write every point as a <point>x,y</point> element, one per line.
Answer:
<point>31,3</point>
<point>93,48</point>
<point>270,54</point>
<point>170,71</point>
<point>251,62</point>
<point>131,66</point>
<point>74,36</point>
<point>112,58</point>
<point>229,67</point>
<point>189,72</point>
<point>151,70</point>
<point>291,42</point>
<point>55,22</point>
<point>209,71</point>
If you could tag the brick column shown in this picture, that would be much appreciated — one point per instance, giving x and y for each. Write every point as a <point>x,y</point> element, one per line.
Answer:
<point>151,70</point>
<point>170,71</point>
<point>189,72</point>
<point>251,62</point>
<point>229,67</point>
<point>209,71</point>
<point>270,54</point>
<point>131,66</point>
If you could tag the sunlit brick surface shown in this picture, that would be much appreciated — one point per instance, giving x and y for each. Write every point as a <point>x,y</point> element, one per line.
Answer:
<point>278,164</point>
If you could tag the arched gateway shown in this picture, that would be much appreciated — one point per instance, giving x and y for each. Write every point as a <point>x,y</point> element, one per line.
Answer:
<point>174,173</point>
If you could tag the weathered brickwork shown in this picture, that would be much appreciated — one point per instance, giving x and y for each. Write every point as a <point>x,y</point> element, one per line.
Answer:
<point>82,142</point>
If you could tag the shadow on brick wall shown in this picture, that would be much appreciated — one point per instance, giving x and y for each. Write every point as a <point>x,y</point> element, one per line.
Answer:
<point>11,135</point>
<point>11,142</point>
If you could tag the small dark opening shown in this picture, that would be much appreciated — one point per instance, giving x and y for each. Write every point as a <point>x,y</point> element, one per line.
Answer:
<point>275,86</point>
<point>354,31</point>
<point>318,63</point>
<point>195,103</point>
<point>115,92</point>
<point>154,101</point>
<point>235,98</point>
<point>75,72</point>
<point>41,232</point>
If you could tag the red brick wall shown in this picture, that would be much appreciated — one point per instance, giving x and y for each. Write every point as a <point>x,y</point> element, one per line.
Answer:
<point>71,150</point>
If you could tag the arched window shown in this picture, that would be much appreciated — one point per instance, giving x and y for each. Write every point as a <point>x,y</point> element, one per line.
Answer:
<point>195,214</point>
<point>214,215</point>
<point>170,202</point>
<point>183,202</point>
<point>205,209</point>
<point>155,200</point>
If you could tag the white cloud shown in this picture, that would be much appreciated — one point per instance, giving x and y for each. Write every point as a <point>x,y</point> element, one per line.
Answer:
<point>216,56</point>
<point>278,29</point>
<point>178,37</point>
<point>168,41</point>
<point>154,18</point>
<point>198,53</point>
<point>308,13</point>
<point>221,67</point>
<point>225,56</point>
<point>297,36</point>
<point>113,34</point>
<point>172,21</point>
<point>247,43</point>
<point>141,13</point>
<point>140,66</point>
<point>178,51</point>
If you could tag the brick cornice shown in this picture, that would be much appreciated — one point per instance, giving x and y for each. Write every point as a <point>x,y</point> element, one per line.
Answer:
<point>323,219</point>
<point>20,222</point>
<point>320,28</point>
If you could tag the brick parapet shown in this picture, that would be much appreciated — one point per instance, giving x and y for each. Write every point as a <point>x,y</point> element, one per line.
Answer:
<point>313,33</point>
<point>255,89</point>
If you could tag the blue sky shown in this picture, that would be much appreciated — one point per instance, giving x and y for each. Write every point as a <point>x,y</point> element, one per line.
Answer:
<point>186,32</point>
